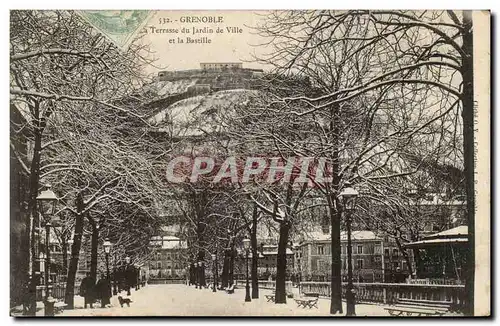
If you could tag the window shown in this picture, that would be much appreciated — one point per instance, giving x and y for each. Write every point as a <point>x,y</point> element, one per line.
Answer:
<point>344,248</point>
<point>386,252</point>
<point>395,252</point>
<point>321,266</point>
<point>321,250</point>
<point>395,264</point>
<point>359,264</point>
<point>158,264</point>
<point>360,249</point>
<point>378,249</point>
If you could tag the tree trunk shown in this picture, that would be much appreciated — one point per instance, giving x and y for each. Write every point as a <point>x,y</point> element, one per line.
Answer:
<point>280,296</point>
<point>231,265</point>
<point>468,135</point>
<point>418,263</point>
<point>75,252</point>
<point>405,256</point>
<point>32,222</point>
<point>336,263</point>
<point>255,255</point>
<point>94,240</point>
<point>335,213</point>
<point>225,270</point>
<point>64,246</point>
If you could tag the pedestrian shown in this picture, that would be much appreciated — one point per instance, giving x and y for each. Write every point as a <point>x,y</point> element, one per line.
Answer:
<point>191,274</point>
<point>130,278</point>
<point>103,290</point>
<point>87,290</point>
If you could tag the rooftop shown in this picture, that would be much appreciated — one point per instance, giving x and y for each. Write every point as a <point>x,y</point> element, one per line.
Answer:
<point>356,235</point>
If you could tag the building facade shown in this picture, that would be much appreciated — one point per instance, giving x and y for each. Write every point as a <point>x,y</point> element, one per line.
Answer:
<point>374,259</point>
<point>167,258</point>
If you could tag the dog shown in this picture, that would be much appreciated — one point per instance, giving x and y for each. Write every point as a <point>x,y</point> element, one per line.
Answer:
<point>124,301</point>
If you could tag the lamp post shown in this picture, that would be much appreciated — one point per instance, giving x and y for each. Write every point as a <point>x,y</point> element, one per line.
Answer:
<point>41,259</point>
<point>107,249</point>
<point>115,287</point>
<point>214,257</point>
<point>295,249</point>
<point>127,274</point>
<point>246,246</point>
<point>349,196</point>
<point>196,274</point>
<point>48,201</point>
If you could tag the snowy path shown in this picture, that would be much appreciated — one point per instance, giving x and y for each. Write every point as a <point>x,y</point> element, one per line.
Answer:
<point>181,300</point>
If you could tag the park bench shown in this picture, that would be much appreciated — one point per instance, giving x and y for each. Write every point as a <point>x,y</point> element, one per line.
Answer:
<point>308,300</point>
<point>271,297</point>
<point>412,307</point>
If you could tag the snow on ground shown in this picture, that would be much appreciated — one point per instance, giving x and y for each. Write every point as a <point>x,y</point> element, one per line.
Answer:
<point>181,300</point>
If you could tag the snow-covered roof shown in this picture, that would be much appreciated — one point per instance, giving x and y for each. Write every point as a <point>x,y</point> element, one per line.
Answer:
<point>355,235</point>
<point>435,242</point>
<point>275,252</point>
<point>452,236</point>
<point>459,231</point>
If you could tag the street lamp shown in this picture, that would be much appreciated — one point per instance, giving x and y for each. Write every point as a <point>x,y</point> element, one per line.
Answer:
<point>349,196</point>
<point>48,200</point>
<point>41,260</point>
<point>196,275</point>
<point>246,246</point>
<point>214,271</point>
<point>115,287</point>
<point>107,249</point>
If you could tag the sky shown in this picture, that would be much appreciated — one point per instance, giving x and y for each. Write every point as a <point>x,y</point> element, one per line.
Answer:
<point>224,47</point>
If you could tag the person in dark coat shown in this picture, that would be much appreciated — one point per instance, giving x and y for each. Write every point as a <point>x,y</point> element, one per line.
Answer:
<point>192,274</point>
<point>87,290</point>
<point>202,275</point>
<point>103,290</point>
<point>130,278</point>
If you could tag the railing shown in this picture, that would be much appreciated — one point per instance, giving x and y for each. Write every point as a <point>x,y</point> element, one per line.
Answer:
<point>390,292</point>
<point>166,281</point>
<point>434,281</point>
<point>271,285</point>
<point>57,291</point>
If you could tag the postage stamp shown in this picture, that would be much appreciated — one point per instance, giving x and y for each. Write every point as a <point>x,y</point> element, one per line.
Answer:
<point>120,26</point>
<point>250,163</point>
